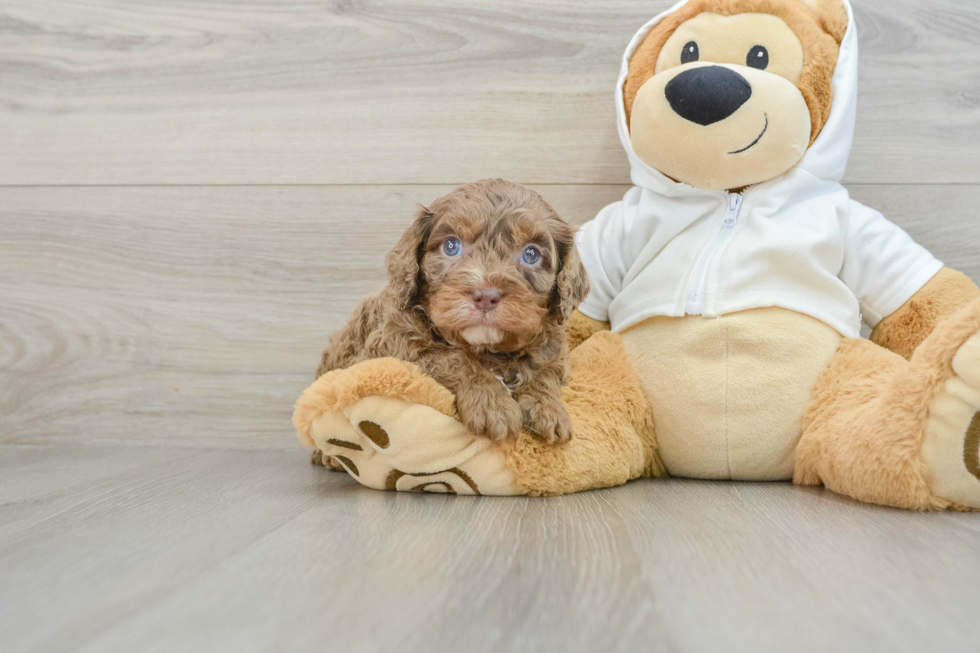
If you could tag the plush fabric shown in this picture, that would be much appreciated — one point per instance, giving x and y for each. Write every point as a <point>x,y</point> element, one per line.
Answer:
<point>581,327</point>
<point>749,109</point>
<point>391,428</point>
<point>820,31</point>
<point>372,378</point>
<point>871,411</point>
<point>614,437</point>
<point>728,392</point>
<point>739,313</point>
<point>797,240</point>
<point>905,329</point>
<point>877,427</point>
<point>769,135</point>
<point>732,38</point>
<point>801,244</point>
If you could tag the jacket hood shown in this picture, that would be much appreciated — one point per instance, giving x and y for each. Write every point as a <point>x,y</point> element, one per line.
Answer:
<point>826,159</point>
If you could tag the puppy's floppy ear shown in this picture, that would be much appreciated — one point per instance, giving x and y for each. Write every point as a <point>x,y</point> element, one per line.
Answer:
<point>404,260</point>
<point>572,282</point>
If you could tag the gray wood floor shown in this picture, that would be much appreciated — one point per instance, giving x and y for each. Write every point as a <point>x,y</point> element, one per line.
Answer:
<point>193,195</point>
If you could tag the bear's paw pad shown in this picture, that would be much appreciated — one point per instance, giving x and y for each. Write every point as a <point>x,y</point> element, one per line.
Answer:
<point>391,444</point>
<point>951,443</point>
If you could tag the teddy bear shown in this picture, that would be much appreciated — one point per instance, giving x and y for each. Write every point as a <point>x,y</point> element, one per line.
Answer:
<point>721,339</point>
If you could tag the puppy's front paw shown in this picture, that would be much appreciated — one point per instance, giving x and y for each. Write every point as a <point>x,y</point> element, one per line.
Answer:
<point>491,413</point>
<point>549,420</point>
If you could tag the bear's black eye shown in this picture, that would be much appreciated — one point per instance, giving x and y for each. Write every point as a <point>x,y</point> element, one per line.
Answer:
<point>690,52</point>
<point>758,57</point>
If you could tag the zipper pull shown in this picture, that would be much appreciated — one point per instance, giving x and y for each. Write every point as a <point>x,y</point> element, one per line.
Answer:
<point>731,215</point>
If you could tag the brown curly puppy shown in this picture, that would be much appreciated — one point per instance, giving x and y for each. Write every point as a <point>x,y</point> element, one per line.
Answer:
<point>480,290</point>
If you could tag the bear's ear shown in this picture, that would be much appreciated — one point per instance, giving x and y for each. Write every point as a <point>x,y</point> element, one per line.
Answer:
<point>643,62</point>
<point>831,15</point>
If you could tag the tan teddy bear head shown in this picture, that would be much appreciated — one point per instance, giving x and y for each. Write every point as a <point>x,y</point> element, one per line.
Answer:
<point>722,94</point>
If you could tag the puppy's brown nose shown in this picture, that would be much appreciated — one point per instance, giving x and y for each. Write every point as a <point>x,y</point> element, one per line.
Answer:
<point>486,299</point>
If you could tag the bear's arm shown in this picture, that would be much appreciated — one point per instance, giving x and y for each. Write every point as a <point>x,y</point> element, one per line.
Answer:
<point>943,295</point>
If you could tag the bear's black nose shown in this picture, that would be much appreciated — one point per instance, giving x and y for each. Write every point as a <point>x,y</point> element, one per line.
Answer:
<point>707,94</point>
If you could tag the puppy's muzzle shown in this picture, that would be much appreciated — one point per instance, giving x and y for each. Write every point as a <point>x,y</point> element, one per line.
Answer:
<point>707,94</point>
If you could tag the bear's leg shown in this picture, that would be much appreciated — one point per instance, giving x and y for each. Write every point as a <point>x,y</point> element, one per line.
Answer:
<point>613,439</point>
<point>899,433</point>
<point>391,427</point>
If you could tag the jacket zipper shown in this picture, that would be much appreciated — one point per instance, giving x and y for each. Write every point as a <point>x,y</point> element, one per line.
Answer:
<point>699,281</point>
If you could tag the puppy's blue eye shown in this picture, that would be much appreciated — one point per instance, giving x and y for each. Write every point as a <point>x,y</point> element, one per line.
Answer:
<point>452,247</point>
<point>531,255</point>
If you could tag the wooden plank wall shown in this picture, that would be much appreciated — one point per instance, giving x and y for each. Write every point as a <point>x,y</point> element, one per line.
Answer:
<point>194,194</point>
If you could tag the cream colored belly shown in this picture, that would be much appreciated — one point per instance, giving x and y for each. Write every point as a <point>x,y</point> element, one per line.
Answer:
<point>729,393</point>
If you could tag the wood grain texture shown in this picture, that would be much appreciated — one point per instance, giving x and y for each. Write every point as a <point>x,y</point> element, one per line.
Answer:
<point>196,316</point>
<point>192,314</point>
<point>193,195</point>
<point>423,91</point>
<point>158,549</point>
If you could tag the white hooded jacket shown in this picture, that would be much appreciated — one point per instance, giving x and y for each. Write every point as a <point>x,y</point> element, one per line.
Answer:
<point>796,242</point>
